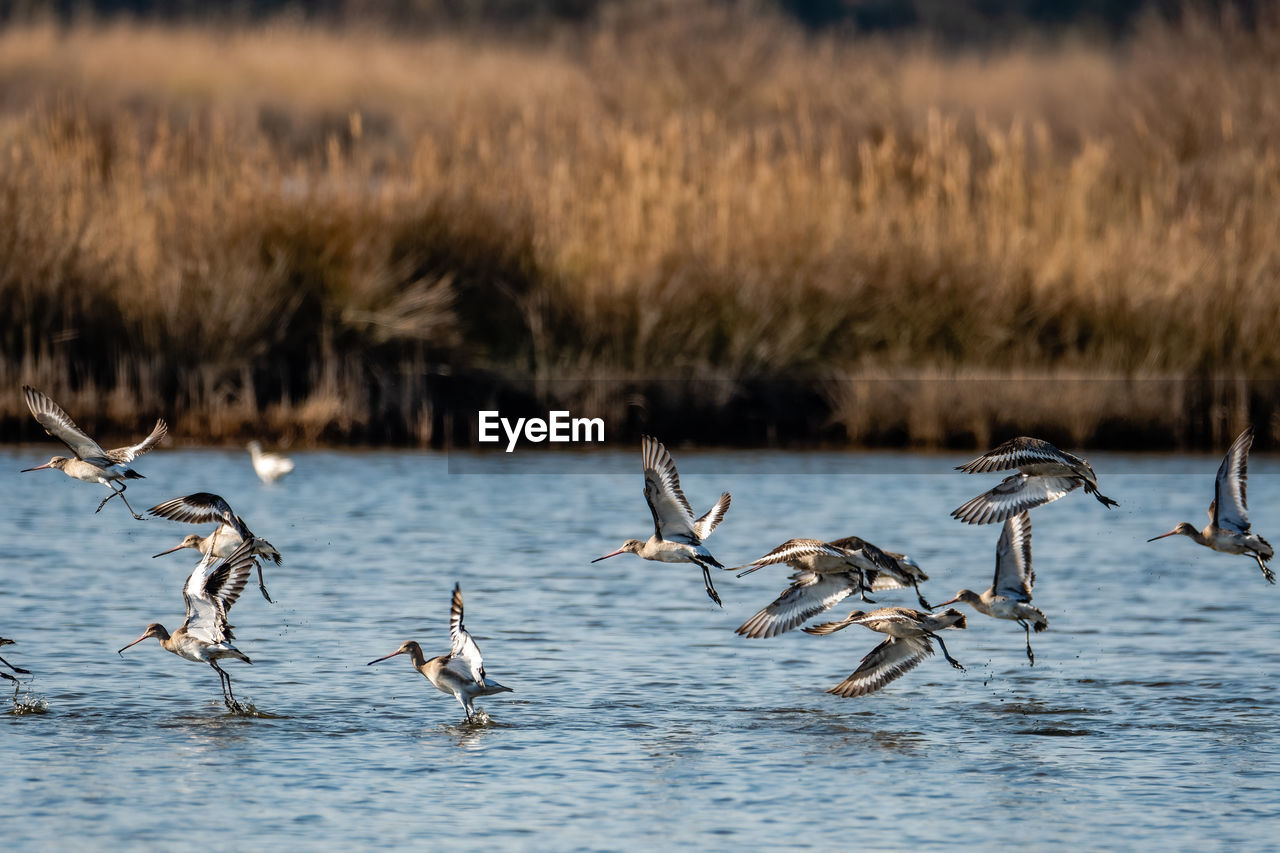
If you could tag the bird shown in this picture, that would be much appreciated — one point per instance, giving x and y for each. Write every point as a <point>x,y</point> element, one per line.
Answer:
<point>677,535</point>
<point>203,507</point>
<point>17,669</point>
<point>879,569</point>
<point>91,464</point>
<point>1045,474</point>
<point>1229,530</point>
<point>461,672</point>
<point>205,635</point>
<point>910,633</point>
<point>1010,594</point>
<point>268,466</point>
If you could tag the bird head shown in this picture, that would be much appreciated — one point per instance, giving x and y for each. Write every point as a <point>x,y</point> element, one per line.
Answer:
<point>155,629</point>
<point>189,541</point>
<point>1183,529</point>
<point>631,546</point>
<point>58,462</point>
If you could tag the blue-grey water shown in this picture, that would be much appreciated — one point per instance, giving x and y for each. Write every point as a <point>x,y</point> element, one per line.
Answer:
<point>639,720</point>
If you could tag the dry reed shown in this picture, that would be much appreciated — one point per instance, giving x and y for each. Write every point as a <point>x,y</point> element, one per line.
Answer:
<point>294,230</point>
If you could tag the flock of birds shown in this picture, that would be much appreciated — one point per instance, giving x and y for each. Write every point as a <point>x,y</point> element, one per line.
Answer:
<point>824,572</point>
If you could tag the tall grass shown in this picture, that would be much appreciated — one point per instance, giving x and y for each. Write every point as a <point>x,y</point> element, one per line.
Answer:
<point>301,232</point>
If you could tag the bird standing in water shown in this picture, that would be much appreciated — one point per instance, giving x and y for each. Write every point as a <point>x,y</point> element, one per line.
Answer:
<point>461,671</point>
<point>1229,530</point>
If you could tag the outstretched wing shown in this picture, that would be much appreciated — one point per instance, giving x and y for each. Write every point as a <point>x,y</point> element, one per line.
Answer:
<point>199,508</point>
<point>132,452</point>
<point>1015,453</point>
<point>1229,497</point>
<point>58,424</point>
<point>1014,576</point>
<point>887,662</point>
<point>1015,494</point>
<point>463,647</point>
<point>703,526</point>
<point>672,515</point>
<point>211,590</point>
<point>808,595</point>
<point>865,555</point>
<point>793,551</point>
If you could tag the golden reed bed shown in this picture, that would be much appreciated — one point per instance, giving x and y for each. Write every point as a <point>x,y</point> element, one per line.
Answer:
<point>289,230</point>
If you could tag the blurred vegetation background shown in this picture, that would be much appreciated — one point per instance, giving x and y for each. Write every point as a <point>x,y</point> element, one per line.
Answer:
<point>922,223</point>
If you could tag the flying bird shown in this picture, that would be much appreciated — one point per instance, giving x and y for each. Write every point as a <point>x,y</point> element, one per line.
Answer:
<point>91,464</point>
<point>909,642</point>
<point>205,635</point>
<point>1010,594</point>
<point>204,507</point>
<point>1045,474</point>
<point>1229,530</point>
<point>677,535</point>
<point>461,672</point>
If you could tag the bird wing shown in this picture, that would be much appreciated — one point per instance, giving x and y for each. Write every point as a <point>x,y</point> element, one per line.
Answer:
<point>808,595</point>
<point>58,424</point>
<point>867,556</point>
<point>1229,496</point>
<point>1014,576</point>
<point>1015,453</point>
<point>211,590</point>
<point>887,662</point>
<point>1017,493</point>
<point>703,526</point>
<point>199,508</point>
<point>672,515</point>
<point>792,552</point>
<point>463,646</point>
<point>128,454</point>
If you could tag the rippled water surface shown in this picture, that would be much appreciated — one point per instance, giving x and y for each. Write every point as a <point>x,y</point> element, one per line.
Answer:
<point>639,719</point>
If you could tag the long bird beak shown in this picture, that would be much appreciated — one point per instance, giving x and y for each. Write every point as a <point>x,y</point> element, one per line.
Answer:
<point>1162,535</point>
<point>170,551</point>
<point>134,643</point>
<point>37,468</point>
<point>393,654</point>
<point>944,604</point>
<point>607,556</point>
<point>747,571</point>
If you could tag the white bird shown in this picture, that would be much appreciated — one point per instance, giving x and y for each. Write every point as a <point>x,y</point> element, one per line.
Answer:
<point>1010,594</point>
<point>677,536</point>
<point>910,632</point>
<point>1045,474</point>
<point>268,466</point>
<point>1229,530</point>
<point>205,635</point>
<point>205,507</point>
<point>461,672</point>
<point>92,464</point>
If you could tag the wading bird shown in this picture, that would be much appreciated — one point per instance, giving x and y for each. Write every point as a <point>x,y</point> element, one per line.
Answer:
<point>910,632</point>
<point>879,569</point>
<point>1045,474</point>
<point>91,464</point>
<point>203,507</point>
<point>1010,594</point>
<point>1228,530</point>
<point>17,669</point>
<point>205,635</point>
<point>268,466</point>
<point>677,536</point>
<point>461,672</point>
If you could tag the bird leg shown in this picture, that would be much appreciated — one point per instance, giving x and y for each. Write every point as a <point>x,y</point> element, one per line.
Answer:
<point>228,697</point>
<point>1026,627</point>
<point>864,585</point>
<point>16,669</point>
<point>1266,571</point>
<point>262,586</point>
<point>920,596</point>
<point>120,492</point>
<point>955,663</point>
<point>711,588</point>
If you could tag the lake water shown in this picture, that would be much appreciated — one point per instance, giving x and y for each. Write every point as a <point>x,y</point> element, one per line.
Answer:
<point>640,720</point>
